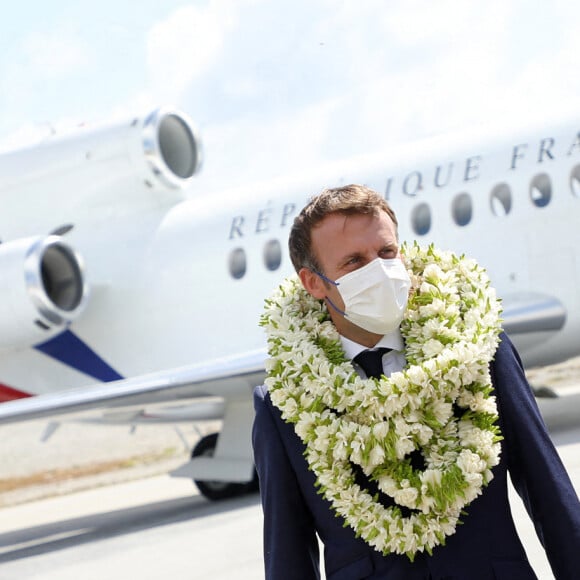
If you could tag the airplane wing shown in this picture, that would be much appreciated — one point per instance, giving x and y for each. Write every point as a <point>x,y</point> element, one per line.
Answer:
<point>230,377</point>
<point>220,466</point>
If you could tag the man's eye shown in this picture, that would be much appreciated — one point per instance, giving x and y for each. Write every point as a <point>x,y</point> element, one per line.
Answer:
<point>388,253</point>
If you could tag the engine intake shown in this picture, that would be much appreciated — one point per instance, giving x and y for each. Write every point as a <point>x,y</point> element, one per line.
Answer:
<point>42,290</point>
<point>171,148</point>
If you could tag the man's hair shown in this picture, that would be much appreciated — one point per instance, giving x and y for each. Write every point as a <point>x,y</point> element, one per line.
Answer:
<point>348,200</point>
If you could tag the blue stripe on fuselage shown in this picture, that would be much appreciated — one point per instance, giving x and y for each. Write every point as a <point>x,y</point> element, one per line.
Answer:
<point>70,350</point>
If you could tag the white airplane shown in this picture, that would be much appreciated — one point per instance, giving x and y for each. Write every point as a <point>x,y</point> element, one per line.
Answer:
<point>125,289</point>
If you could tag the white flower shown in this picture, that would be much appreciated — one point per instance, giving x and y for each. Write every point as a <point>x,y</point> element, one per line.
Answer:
<point>432,347</point>
<point>423,433</point>
<point>376,456</point>
<point>470,462</point>
<point>403,447</point>
<point>406,496</point>
<point>417,375</point>
<point>387,485</point>
<point>305,423</point>
<point>442,410</point>
<point>380,430</point>
<point>431,477</point>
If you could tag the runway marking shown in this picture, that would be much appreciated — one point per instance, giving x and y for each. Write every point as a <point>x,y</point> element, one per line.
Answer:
<point>41,541</point>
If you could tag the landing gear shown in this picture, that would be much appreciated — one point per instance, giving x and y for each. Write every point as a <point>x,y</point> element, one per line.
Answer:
<point>216,490</point>
<point>543,392</point>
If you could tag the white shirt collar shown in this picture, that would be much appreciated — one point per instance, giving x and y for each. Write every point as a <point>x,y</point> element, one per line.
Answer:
<point>392,340</point>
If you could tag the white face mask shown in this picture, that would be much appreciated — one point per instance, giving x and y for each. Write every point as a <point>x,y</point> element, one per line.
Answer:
<point>375,296</point>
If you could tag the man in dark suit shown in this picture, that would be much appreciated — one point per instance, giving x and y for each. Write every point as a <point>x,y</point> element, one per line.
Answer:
<point>372,480</point>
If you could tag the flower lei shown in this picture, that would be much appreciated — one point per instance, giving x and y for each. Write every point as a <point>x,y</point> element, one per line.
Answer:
<point>440,403</point>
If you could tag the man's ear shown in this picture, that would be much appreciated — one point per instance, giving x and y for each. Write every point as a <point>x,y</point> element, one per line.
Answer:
<point>312,283</point>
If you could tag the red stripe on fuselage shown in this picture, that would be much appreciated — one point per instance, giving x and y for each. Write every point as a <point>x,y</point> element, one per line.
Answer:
<point>9,394</point>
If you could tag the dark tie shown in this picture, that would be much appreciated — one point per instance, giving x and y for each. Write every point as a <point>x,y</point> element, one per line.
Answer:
<point>371,361</point>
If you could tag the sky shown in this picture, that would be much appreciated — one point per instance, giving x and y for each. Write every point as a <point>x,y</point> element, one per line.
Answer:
<point>277,87</point>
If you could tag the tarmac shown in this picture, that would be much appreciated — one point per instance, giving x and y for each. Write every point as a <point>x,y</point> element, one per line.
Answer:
<point>96,501</point>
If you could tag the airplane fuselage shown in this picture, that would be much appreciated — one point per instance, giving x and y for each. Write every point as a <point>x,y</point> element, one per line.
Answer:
<point>178,282</point>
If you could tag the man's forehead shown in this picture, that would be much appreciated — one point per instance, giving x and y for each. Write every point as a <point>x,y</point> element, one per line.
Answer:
<point>342,222</point>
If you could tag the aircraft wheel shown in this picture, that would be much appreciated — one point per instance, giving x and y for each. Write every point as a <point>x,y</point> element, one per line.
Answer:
<point>216,490</point>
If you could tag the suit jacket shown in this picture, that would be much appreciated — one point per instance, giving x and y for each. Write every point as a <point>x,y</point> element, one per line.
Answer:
<point>485,547</point>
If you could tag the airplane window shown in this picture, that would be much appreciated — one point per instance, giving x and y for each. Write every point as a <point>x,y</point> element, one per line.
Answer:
<point>237,263</point>
<point>575,181</point>
<point>462,209</point>
<point>501,199</point>
<point>541,190</point>
<point>272,255</point>
<point>421,219</point>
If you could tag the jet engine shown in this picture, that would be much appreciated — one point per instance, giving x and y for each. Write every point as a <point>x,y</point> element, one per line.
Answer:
<point>129,164</point>
<point>43,289</point>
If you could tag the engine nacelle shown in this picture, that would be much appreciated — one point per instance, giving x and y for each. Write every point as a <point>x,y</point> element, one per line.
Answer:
<point>144,160</point>
<point>43,289</point>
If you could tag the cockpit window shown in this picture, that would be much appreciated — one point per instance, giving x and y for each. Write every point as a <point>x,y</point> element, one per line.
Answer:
<point>462,209</point>
<point>541,190</point>
<point>500,199</point>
